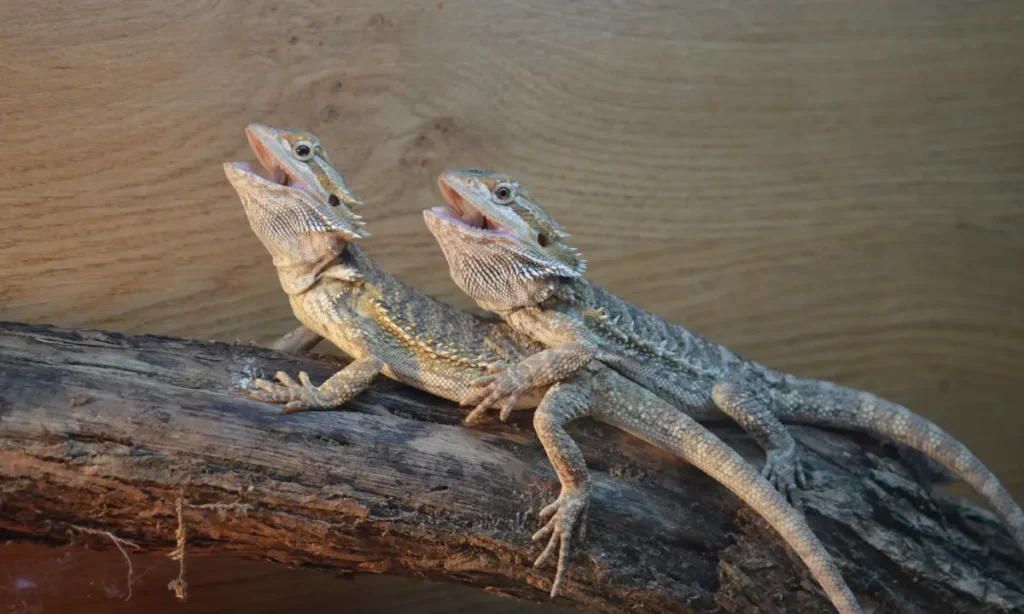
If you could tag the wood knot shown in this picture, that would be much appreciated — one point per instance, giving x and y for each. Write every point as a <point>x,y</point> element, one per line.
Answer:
<point>378,21</point>
<point>430,144</point>
<point>328,114</point>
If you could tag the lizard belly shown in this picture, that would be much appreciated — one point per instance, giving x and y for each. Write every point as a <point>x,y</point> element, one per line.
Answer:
<point>317,313</point>
<point>445,383</point>
<point>443,379</point>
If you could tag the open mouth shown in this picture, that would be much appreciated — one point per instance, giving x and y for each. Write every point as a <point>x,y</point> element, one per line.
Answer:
<point>272,170</point>
<point>276,177</point>
<point>461,211</point>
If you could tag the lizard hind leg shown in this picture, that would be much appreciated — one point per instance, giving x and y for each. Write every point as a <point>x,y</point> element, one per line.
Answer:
<point>747,403</point>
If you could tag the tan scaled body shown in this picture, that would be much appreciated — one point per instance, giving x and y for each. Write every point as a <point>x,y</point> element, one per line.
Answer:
<point>391,329</point>
<point>507,253</point>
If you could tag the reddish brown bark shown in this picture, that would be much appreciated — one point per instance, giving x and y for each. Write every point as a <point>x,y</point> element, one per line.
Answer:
<point>101,432</point>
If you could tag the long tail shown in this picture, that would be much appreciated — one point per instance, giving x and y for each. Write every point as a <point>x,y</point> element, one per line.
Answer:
<point>826,404</point>
<point>679,434</point>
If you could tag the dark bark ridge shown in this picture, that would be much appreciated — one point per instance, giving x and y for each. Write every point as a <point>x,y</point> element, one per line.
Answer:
<point>103,432</point>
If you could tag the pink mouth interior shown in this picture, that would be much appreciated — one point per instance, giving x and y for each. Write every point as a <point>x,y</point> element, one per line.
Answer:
<point>464,213</point>
<point>271,169</point>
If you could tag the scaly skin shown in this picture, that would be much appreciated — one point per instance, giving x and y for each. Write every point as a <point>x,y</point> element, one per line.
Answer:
<point>297,157</point>
<point>389,328</point>
<point>508,254</point>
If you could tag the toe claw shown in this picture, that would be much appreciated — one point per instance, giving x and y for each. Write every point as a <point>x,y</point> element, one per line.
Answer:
<point>294,407</point>
<point>563,563</point>
<point>285,379</point>
<point>297,396</point>
<point>476,415</point>
<point>488,401</point>
<point>490,397</point>
<point>549,551</point>
<point>543,532</point>
<point>550,508</point>
<point>568,514</point>
<point>265,385</point>
<point>506,409</point>
<point>801,476</point>
<point>473,397</point>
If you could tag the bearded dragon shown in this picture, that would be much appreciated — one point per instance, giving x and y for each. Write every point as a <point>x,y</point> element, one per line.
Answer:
<point>509,255</point>
<point>392,330</point>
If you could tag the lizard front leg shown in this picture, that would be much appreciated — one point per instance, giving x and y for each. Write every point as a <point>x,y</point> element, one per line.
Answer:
<point>749,404</point>
<point>570,348</point>
<point>339,389</point>
<point>563,403</point>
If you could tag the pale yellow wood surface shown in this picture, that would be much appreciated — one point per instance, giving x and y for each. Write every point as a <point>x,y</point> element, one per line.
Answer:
<point>834,188</point>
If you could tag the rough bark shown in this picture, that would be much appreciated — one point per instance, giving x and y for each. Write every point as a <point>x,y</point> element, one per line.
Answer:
<point>103,432</point>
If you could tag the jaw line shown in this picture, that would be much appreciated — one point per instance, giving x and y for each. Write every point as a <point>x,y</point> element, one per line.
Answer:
<point>451,218</point>
<point>256,176</point>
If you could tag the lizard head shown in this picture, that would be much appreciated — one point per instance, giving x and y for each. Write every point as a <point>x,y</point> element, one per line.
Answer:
<point>294,157</point>
<point>294,162</point>
<point>301,221</point>
<point>503,249</point>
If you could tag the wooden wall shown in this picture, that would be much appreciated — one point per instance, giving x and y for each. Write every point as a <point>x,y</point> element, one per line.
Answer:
<point>834,188</point>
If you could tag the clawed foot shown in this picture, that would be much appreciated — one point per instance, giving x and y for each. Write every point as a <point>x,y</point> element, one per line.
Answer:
<point>786,473</point>
<point>299,396</point>
<point>504,385</point>
<point>568,515</point>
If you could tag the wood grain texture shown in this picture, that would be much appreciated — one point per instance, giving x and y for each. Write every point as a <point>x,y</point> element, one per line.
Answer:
<point>104,434</point>
<point>834,188</point>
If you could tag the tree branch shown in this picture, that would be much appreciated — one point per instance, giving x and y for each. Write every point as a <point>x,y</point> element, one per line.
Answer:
<point>104,433</point>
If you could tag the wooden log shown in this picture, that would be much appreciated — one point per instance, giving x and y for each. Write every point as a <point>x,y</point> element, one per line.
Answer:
<point>144,439</point>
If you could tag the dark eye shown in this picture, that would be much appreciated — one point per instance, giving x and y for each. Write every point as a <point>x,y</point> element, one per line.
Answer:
<point>304,150</point>
<point>542,240</point>
<point>333,200</point>
<point>504,193</point>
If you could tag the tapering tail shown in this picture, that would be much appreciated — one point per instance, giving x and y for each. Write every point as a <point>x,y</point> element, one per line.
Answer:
<point>732,471</point>
<point>825,404</point>
<point>679,434</point>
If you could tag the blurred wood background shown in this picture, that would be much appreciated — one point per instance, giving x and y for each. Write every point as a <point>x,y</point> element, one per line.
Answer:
<point>833,188</point>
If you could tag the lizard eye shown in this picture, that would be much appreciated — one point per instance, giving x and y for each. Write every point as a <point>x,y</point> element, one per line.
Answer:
<point>542,239</point>
<point>333,200</point>
<point>304,150</point>
<point>504,193</point>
